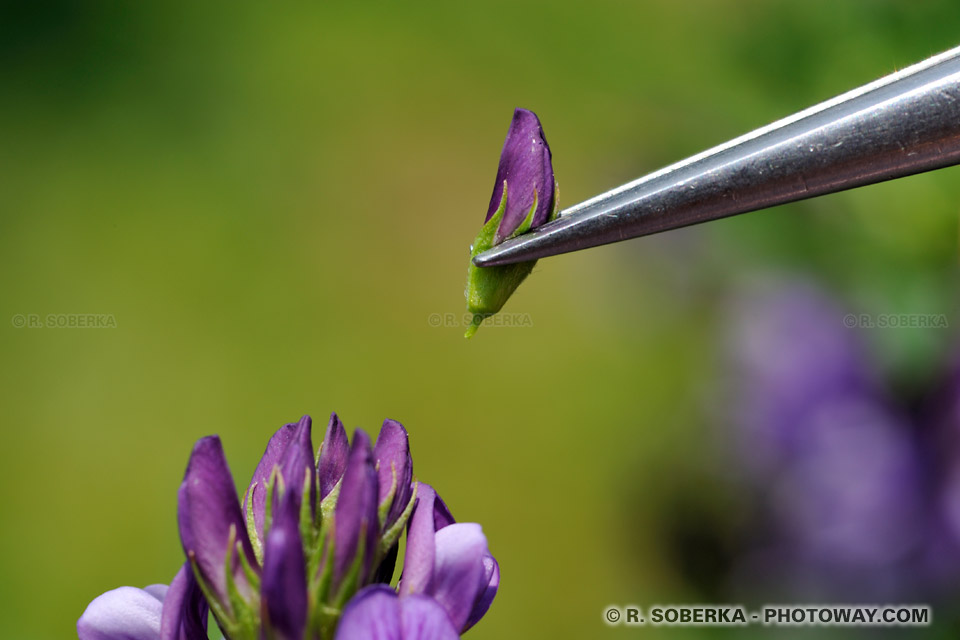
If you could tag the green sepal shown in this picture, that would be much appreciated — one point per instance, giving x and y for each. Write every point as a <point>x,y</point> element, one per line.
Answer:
<point>489,288</point>
<point>246,619</point>
<point>221,614</point>
<point>351,581</point>
<point>391,535</point>
<point>315,552</point>
<point>384,507</point>
<point>322,616</point>
<point>528,221</point>
<point>275,478</point>
<point>555,212</point>
<point>329,503</point>
<point>252,525</point>
<point>307,528</point>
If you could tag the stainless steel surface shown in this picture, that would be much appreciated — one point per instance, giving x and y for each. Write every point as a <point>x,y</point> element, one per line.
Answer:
<point>903,124</point>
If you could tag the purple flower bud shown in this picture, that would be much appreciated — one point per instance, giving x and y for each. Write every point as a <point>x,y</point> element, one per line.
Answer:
<point>355,517</point>
<point>377,613</point>
<point>210,520</point>
<point>526,169</point>
<point>255,498</point>
<point>394,468</point>
<point>524,197</point>
<point>284,589</point>
<point>333,456</point>
<point>449,562</point>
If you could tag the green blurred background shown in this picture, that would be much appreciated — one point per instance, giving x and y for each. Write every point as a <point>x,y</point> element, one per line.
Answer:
<point>273,200</point>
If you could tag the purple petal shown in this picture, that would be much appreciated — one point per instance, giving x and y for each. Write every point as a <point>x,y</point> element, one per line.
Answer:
<point>208,510</point>
<point>158,591</point>
<point>184,609</point>
<point>372,614</point>
<point>126,613</point>
<point>441,514</point>
<point>257,491</point>
<point>421,548</point>
<point>284,592</point>
<point>421,618</point>
<point>297,463</point>
<point>491,578</point>
<point>376,613</point>
<point>430,514</point>
<point>458,571</point>
<point>333,456</point>
<point>355,516</point>
<point>526,166</point>
<point>392,456</point>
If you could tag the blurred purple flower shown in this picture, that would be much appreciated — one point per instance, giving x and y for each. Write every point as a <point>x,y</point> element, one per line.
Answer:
<point>840,462</point>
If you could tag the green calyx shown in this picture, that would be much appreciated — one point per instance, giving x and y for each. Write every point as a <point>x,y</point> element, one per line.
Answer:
<point>489,288</point>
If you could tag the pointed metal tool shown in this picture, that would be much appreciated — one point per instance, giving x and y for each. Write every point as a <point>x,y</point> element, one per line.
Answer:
<point>905,123</point>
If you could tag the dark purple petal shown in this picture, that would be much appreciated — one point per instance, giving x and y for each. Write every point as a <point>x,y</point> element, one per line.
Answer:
<point>333,456</point>
<point>392,456</point>
<point>421,618</point>
<point>372,614</point>
<point>126,613</point>
<point>526,166</point>
<point>458,571</point>
<point>491,578</point>
<point>388,565</point>
<point>257,492</point>
<point>184,609</point>
<point>441,514</point>
<point>284,586</point>
<point>297,463</point>
<point>208,510</point>
<point>355,516</point>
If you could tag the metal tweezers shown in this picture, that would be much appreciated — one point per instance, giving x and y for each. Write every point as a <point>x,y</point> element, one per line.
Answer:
<point>905,123</point>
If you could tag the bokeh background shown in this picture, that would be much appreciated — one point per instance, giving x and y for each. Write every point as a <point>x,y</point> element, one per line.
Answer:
<point>274,201</point>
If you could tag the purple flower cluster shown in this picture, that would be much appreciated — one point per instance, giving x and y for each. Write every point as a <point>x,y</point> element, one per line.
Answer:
<point>860,487</point>
<point>311,550</point>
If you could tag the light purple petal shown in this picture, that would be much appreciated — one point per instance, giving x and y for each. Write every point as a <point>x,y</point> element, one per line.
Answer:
<point>207,511</point>
<point>355,516</point>
<point>184,609</point>
<point>392,456</point>
<point>526,166</point>
<point>372,614</point>
<point>458,572</point>
<point>126,613</point>
<point>491,578</point>
<point>430,514</point>
<point>257,491</point>
<point>421,618</point>
<point>421,552</point>
<point>158,591</point>
<point>284,591</point>
<point>333,456</point>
